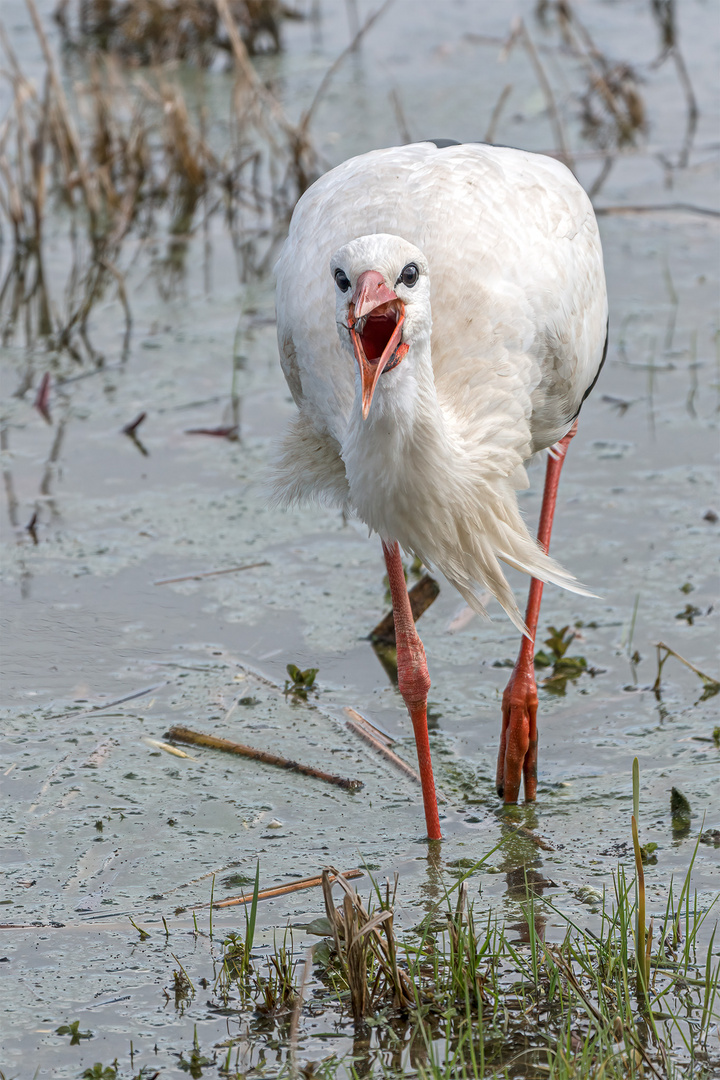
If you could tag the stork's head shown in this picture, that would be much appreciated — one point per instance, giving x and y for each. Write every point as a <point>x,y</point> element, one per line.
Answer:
<point>382,300</point>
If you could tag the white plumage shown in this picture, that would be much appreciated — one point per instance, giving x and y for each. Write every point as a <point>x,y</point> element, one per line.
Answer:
<point>505,328</point>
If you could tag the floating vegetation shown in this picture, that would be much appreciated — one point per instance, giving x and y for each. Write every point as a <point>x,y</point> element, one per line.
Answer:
<point>214,742</point>
<point>197,1060</point>
<point>144,934</point>
<point>98,1071</point>
<point>183,989</point>
<point>300,682</point>
<point>689,614</point>
<point>564,667</point>
<point>73,1030</point>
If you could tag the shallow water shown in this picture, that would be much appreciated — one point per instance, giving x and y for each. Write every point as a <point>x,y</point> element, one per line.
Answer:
<point>87,623</point>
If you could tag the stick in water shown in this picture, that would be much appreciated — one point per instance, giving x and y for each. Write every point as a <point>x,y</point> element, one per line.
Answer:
<point>280,890</point>
<point>197,738</point>
<point>356,723</point>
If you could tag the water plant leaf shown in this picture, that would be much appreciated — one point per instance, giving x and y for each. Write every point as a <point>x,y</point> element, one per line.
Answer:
<point>711,687</point>
<point>73,1030</point>
<point>564,667</point>
<point>542,659</point>
<point>144,934</point>
<point>322,954</point>
<point>194,1064</point>
<point>321,927</point>
<point>689,614</point>
<point>197,1061</point>
<point>300,681</point>
<point>559,641</point>
<point>100,1072</point>
<point>647,853</point>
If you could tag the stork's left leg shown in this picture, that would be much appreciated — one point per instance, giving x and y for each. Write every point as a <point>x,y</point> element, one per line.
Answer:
<point>413,681</point>
<point>518,740</point>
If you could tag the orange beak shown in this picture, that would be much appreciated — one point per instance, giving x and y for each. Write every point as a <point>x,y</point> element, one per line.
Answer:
<point>375,321</point>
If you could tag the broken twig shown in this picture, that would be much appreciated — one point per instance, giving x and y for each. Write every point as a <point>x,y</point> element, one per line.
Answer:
<point>231,432</point>
<point>155,744</point>
<point>361,727</point>
<point>659,208</point>
<point>214,742</point>
<point>209,573</point>
<point>131,428</point>
<point>42,400</point>
<point>711,686</point>
<point>279,890</point>
<point>422,595</point>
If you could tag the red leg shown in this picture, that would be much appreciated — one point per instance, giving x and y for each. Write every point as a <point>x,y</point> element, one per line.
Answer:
<point>518,739</point>
<point>413,681</point>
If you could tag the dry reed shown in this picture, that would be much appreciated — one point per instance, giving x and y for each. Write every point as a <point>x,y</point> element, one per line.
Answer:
<point>125,154</point>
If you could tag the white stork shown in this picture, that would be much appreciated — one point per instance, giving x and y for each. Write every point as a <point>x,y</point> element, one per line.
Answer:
<point>442,314</point>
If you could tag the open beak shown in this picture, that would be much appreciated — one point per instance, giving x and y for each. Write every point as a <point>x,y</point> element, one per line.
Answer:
<point>375,320</point>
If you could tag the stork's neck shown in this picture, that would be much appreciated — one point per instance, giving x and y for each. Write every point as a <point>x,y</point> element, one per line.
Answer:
<point>389,455</point>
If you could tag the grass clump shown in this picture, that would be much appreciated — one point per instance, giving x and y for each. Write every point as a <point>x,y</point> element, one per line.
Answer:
<point>463,995</point>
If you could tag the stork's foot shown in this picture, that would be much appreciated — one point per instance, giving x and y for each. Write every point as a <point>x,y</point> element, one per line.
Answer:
<point>517,758</point>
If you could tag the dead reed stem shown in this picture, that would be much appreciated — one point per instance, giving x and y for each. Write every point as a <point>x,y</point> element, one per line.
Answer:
<point>521,31</point>
<point>658,208</point>
<point>214,742</point>
<point>210,573</point>
<point>423,593</point>
<point>116,152</point>
<point>358,935</point>
<point>357,724</point>
<point>279,890</point>
<point>496,113</point>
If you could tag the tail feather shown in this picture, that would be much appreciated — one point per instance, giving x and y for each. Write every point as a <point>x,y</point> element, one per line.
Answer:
<point>469,554</point>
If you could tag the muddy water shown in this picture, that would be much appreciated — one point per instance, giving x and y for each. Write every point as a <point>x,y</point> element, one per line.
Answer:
<point>100,825</point>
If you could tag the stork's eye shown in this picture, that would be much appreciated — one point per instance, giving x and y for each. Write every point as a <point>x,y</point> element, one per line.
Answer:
<point>409,275</point>
<point>342,280</point>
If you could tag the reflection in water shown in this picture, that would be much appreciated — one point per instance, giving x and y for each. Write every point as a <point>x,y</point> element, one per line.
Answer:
<point>400,1045</point>
<point>522,865</point>
<point>10,494</point>
<point>28,533</point>
<point>433,888</point>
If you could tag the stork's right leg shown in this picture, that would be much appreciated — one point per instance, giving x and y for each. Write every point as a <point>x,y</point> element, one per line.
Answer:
<point>517,758</point>
<point>413,681</point>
